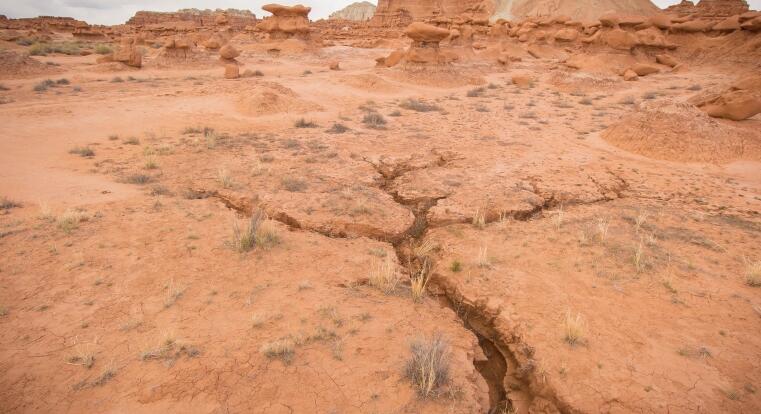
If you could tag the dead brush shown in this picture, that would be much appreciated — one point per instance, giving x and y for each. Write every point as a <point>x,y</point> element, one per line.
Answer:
<point>753,273</point>
<point>83,356</point>
<point>282,349</point>
<point>418,105</point>
<point>573,329</point>
<point>374,120</point>
<point>479,219</point>
<point>423,249</point>
<point>257,232</point>
<point>428,366</point>
<point>419,280</point>
<point>69,220</point>
<point>383,276</point>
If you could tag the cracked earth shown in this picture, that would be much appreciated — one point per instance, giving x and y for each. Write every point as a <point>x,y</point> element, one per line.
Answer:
<point>527,213</point>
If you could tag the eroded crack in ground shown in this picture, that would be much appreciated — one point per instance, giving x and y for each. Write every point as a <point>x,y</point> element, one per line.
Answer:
<point>508,367</point>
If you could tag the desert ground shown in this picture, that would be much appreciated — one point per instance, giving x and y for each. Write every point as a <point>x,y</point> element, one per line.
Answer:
<point>322,233</point>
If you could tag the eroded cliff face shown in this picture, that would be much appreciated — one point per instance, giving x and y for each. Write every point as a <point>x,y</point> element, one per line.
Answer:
<point>230,17</point>
<point>710,8</point>
<point>359,11</point>
<point>394,12</point>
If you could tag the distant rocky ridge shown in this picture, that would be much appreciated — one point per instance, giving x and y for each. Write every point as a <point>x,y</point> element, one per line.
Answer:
<point>709,8</point>
<point>232,17</point>
<point>359,11</point>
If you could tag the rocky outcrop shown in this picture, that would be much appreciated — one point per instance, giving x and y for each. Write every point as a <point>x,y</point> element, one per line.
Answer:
<point>424,49</point>
<point>286,22</point>
<point>237,19</point>
<point>355,12</point>
<point>403,12</point>
<point>709,8</point>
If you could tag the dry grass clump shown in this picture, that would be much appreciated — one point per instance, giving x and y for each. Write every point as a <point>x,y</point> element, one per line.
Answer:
<point>384,276</point>
<point>338,128</point>
<point>7,204</point>
<point>69,220</point>
<point>173,293</point>
<point>258,231</point>
<point>753,274</point>
<point>428,366</point>
<point>419,105</point>
<point>374,120</point>
<point>294,185</point>
<point>475,93</point>
<point>303,123</point>
<point>83,356</point>
<point>603,224</point>
<point>169,350</point>
<point>482,260</point>
<point>419,281</point>
<point>139,179</point>
<point>282,349</point>
<point>86,152</point>
<point>479,219</point>
<point>573,329</point>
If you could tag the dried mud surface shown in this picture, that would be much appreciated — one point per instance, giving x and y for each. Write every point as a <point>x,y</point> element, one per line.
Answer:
<point>533,204</point>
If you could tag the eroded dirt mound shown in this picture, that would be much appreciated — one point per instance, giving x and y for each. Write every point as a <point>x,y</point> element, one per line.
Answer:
<point>18,65</point>
<point>273,98</point>
<point>370,82</point>
<point>681,132</point>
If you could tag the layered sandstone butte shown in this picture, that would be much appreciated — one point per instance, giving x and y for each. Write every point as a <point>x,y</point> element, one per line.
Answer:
<point>403,12</point>
<point>286,22</point>
<point>709,8</point>
<point>237,19</point>
<point>355,12</point>
<point>395,12</point>
<point>56,24</point>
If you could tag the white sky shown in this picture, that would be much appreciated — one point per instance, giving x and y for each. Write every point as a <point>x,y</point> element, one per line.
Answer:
<point>118,11</point>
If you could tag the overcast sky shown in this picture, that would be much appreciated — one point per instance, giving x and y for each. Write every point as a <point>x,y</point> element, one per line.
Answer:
<point>118,11</point>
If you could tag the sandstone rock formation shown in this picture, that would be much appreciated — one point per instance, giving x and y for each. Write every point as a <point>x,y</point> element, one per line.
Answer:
<point>286,22</point>
<point>237,19</point>
<point>424,49</point>
<point>742,100</point>
<point>128,54</point>
<point>709,8</point>
<point>359,11</point>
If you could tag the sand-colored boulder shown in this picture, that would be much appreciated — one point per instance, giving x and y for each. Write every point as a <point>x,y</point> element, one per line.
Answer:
<point>228,52</point>
<point>661,21</point>
<point>735,105</point>
<point>652,37</point>
<point>667,60</point>
<point>335,65</point>
<point>644,69</point>
<point>620,39</point>
<point>630,75</point>
<point>128,54</point>
<point>232,71</point>
<point>391,60</point>
<point>609,20</point>
<point>286,22</point>
<point>566,35</point>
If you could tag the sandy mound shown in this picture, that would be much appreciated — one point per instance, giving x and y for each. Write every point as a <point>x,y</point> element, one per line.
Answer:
<point>370,82</point>
<point>443,76</point>
<point>681,132</point>
<point>273,98</point>
<point>19,65</point>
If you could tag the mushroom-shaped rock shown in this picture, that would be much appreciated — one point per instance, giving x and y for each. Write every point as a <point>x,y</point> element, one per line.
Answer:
<point>661,21</point>
<point>610,20</point>
<point>286,22</point>
<point>228,52</point>
<point>693,26</point>
<point>426,33</point>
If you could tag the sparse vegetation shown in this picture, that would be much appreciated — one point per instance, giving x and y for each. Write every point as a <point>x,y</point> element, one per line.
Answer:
<point>44,85</point>
<point>7,204</point>
<point>456,266</point>
<point>65,48</point>
<point>573,329</point>
<point>70,220</point>
<point>117,79</point>
<point>257,232</point>
<point>282,349</point>
<point>138,178</point>
<point>384,276</point>
<point>294,185</point>
<point>374,120</point>
<point>86,152</point>
<point>103,50</point>
<point>419,105</point>
<point>303,123</point>
<point>753,274</point>
<point>338,128</point>
<point>476,92</point>
<point>132,141</point>
<point>428,366</point>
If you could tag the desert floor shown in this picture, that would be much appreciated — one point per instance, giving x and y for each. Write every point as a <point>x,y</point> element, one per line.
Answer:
<point>560,268</point>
